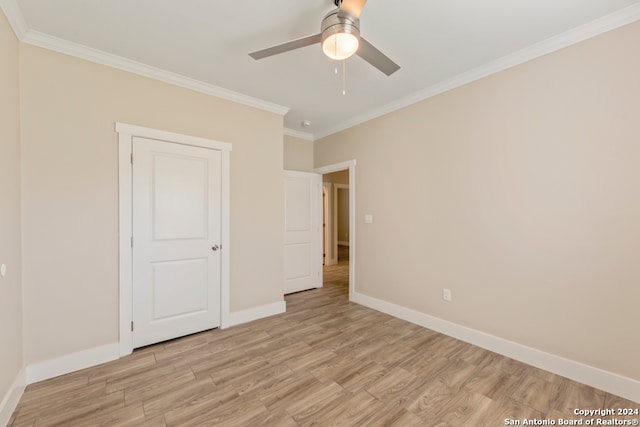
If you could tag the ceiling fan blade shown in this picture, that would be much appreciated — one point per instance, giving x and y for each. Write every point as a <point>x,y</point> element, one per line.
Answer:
<point>373,56</point>
<point>285,47</point>
<point>353,7</point>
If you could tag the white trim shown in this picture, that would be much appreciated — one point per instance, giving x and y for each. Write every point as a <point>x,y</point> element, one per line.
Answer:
<point>11,399</point>
<point>298,134</point>
<point>16,19</point>
<point>351,166</point>
<point>126,133</point>
<point>225,237</point>
<point>609,22</point>
<point>327,212</point>
<point>125,251</point>
<point>72,362</point>
<point>178,138</point>
<point>255,313</point>
<point>336,167</point>
<point>598,378</point>
<point>110,60</point>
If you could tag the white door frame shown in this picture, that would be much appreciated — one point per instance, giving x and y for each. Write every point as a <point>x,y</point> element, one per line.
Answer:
<point>327,211</point>
<point>126,133</point>
<point>351,166</point>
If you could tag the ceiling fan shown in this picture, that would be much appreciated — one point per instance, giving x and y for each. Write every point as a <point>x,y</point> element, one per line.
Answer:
<point>340,38</point>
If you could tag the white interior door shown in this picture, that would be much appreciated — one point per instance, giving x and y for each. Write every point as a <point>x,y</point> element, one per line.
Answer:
<point>303,231</point>
<point>176,240</point>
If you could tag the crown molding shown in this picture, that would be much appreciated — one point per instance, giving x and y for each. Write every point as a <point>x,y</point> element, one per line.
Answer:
<point>602,25</point>
<point>298,134</point>
<point>15,18</point>
<point>66,47</point>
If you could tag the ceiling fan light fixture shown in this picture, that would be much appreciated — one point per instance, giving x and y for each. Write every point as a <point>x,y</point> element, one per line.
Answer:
<point>340,46</point>
<point>340,35</point>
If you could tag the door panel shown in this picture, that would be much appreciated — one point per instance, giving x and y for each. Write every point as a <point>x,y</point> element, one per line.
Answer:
<point>180,210</point>
<point>300,258</point>
<point>303,231</point>
<point>179,287</point>
<point>176,222</point>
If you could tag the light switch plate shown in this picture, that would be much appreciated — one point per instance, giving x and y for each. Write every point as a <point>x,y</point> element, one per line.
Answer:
<point>368,219</point>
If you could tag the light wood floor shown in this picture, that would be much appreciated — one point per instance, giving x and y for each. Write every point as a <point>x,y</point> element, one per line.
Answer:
<point>325,362</point>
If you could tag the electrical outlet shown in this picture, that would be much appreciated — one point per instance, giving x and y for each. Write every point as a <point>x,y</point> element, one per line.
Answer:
<point>446,294</point>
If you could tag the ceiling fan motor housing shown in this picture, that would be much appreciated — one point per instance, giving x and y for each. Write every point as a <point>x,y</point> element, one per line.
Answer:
<point>338,21</point>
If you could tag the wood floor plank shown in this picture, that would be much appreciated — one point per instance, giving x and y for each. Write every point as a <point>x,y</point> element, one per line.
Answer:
<point>179,396</point>
<point>491,383</point>
<point>146,376</point>
<point>572,395</point>
<point>179,415</point>
<point>307,408</point>
<point>54,387</point>
<point>508,409</point>
<point>396,385</point>
<point>363,376</point>
<point>286,392</point>
<point>324,362</point>
<point>262,381</point>
<point>351,411</point>
<point>536,393</point>
<point>77,415</point>
<point>75,397</point>
<point>151,388</point>
<point>464,409</point>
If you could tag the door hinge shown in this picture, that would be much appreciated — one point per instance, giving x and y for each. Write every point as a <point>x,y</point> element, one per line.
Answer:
<point>131,158</point>
<point>131,241</point>
<point>132,326</point>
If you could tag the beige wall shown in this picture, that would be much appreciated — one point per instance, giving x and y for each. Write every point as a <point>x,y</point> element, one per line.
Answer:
<point>11,284</point>
<point>521,193</point>
<point>70,199</point>
<point>298,154</point>
<point>343,214</point>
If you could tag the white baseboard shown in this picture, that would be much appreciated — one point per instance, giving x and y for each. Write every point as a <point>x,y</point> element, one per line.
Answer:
<point>598,378</point>
<point>72,362</point>
<point>84,359</point>
<point>11,399</point>
<point>255,313</point>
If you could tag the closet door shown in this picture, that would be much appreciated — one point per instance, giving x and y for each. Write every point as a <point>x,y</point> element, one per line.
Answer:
<point>303,231</point>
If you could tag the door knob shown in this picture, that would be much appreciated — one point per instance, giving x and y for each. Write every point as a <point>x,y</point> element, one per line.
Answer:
<point>215,248</point>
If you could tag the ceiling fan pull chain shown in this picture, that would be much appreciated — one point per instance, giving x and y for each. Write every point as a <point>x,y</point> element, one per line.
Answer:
<point>344,76</point>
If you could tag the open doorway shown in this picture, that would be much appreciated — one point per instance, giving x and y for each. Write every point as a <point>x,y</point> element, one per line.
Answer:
<point>342,274</point>
<point>338,236</point>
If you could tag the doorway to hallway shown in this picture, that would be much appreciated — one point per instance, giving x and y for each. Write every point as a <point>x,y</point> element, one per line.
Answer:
<point>340,271</point>
<point>336,227</point>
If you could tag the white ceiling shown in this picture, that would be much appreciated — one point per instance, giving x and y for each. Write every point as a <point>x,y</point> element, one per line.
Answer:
<point>438,43</point>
